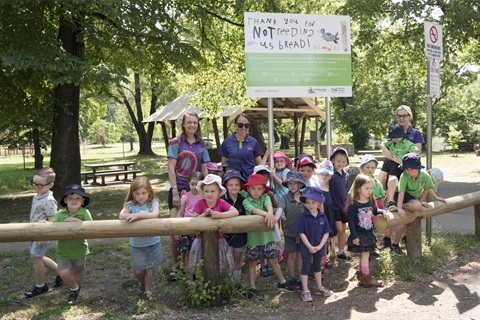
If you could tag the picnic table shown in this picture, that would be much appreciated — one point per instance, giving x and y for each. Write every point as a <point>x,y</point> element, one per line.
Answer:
<point>117,169</point>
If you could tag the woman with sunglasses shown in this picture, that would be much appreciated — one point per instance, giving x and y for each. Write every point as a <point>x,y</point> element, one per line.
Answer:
<point>241,146</point>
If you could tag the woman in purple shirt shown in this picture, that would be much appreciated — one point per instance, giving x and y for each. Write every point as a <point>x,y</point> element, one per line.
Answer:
<point>186,154</point>
<point>241,146</point>
<point>404,117</point>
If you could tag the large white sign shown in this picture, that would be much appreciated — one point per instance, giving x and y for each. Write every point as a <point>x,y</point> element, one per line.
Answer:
<point>297,55</point>
<point>433,40</point>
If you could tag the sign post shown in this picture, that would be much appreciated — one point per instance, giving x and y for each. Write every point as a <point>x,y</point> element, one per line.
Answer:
<point>434,53</point>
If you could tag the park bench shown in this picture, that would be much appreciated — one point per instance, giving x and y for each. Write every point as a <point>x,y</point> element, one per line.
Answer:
<point>117,174</point>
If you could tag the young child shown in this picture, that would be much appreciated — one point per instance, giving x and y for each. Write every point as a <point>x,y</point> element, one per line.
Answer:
<point>313,230</point>
<point>292,208</point>
<point>187,203</point>
<point>283,165</point>
<point>44,207</point>
<point>325,173</point>
<point>233,181</point>
<point>146,252</point>
<point>213,168</point>
<point>212,206</point>
<point>261,242</point>
<point>414,186</point>
<point>339,192</point>
<point>71,254</point>
<point>360,221</point>
<point>399,146</point>
<point>306,167</point>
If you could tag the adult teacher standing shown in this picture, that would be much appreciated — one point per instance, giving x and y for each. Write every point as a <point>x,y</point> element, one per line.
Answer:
<point>404,118</point>
<point>187,153</point>
<point>242,147</point>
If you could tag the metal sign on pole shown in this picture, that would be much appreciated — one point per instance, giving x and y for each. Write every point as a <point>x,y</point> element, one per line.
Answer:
<point>434,53</point>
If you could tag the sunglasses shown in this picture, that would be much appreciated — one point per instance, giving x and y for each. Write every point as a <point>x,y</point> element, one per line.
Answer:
<point>241,125</point>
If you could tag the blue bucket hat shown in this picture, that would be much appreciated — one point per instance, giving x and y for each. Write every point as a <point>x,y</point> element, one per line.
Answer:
<point>411,160</point>
<point>232,174</point>
<point>313,193</point>
<point>78,189</point>
<point>293,176</point>
<point>368,158</point>
<point>395,131</point>
<point>339,150</point>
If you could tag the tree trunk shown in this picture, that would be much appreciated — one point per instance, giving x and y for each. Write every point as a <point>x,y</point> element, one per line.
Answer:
<point>144,137</point>
<point>38,149</point>
<point>284,140</point>
<point>65,157</point>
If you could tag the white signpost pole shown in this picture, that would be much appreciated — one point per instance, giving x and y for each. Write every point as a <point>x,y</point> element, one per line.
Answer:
<point>434,53</point>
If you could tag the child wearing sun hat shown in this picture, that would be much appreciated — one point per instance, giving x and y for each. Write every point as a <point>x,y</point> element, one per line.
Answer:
<point>313,230</point>
<point>261,242</point>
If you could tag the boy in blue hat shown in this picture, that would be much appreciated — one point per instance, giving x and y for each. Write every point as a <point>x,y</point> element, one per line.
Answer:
<point>313,230</point>
<point>398,146</point>
<point>71,254</point>
<point>414,186</point>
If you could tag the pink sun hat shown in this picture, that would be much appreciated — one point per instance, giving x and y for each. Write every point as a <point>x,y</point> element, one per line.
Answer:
<point>280,154</point>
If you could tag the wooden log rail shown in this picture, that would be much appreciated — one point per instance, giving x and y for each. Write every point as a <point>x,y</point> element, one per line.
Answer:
<point>208,227</point>
<point>414,218</point>
<point>98,229</point>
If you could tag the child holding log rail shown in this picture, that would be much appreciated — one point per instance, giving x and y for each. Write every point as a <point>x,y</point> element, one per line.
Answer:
<point>146,252</point>
<point>212,206</point>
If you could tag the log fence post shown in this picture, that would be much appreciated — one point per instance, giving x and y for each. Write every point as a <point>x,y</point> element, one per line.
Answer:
<point>414,240</point>
<point>211,269</point>
<point>477,219</point>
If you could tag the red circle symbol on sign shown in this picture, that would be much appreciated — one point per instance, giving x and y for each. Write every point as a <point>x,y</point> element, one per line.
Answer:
<point>433,34</point>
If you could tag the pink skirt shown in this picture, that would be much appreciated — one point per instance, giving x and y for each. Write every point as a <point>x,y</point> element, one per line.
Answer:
<point>225,256</point>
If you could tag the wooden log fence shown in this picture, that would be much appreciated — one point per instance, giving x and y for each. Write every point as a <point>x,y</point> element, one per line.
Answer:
<point>413,219</point>
<point>209,229</point>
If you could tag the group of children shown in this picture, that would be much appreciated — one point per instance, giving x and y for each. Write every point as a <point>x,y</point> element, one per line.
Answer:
<point>312,205</point>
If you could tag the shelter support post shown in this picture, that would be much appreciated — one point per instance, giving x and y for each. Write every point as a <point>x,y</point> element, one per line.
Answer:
<point>302,136</point>
<point>414,240</point>
<point>477,220</point>
<point>165,134</point>
<point>215,133</point>
<point>211,266</point>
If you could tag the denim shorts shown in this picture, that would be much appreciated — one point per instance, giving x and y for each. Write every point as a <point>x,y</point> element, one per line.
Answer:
<point>77,265</point>
<point>269,251</point>
<point>37,251</point>
<point>147,257</point>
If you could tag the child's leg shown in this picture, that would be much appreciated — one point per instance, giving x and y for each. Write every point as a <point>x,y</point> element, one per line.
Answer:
<point>413,205</point>
<point>140,274</point>
<point>304,272</point>
<point>50,264</point>
<point>292,259</point>
<point>317,269</point>
<point>399,234</point>
<point>276,270</point>
<point>364,267</point>
<point>39,268</point>
<point>392,188</point>
<point>342,235</point>
<point>382,176</point>
<point>237,260</point>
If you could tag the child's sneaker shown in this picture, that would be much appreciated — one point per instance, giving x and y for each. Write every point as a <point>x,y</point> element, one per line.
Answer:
<point>269,269</point>
<point>404,241</point>
<point>252,293</point>
<point>57,282</point>
<point>73,296</point>
<point>306,296</point>
<point>286,286</point>
<point>392,206</point>
<point>323,291</point>
<point>35,291</point>
<point>396,249</point>
<point>343,256</point>
<point>386,243</point>
<point>264,271</point>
